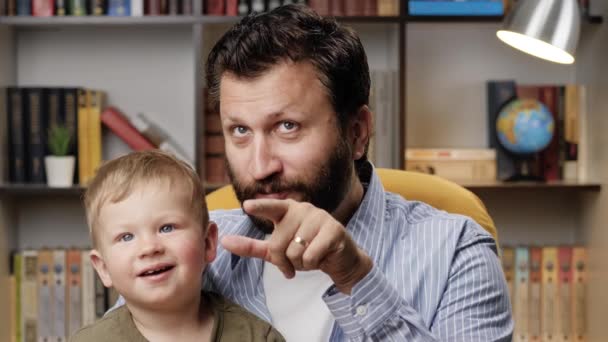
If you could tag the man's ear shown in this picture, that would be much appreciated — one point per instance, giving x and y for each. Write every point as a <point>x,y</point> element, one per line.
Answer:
<point>100,267</point>
<point>211,242</point>
<point>361,129</point>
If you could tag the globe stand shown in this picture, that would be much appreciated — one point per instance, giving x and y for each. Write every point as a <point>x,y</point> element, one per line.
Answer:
<point>523,173</point>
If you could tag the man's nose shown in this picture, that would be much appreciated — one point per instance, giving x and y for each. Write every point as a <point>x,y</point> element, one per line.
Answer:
<point>265,161</point>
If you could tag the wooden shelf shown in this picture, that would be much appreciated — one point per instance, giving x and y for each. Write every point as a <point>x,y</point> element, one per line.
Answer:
<point>454,19</point>
<point>39,189</point>
<point>44,190</point>
<point>517,186</point>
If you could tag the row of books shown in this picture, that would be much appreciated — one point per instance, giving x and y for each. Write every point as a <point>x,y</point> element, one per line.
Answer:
<point>336,8</point>
<point>564,158</point>
<point>54,292</point>
<point>135,8</point>
<point>211,146</point>
<point>31,112</point>
<point>469,7</point>
<point>548,292</point>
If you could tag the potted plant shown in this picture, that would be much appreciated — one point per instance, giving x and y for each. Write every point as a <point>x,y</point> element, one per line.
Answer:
<point>59,165</point>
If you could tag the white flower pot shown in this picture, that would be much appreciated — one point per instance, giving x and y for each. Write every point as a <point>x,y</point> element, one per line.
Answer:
<point>59,170</point>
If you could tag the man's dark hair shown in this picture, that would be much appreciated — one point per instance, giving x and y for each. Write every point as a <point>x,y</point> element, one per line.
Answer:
<point>295,32</point>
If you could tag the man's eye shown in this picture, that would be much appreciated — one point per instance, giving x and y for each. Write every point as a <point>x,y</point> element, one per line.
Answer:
<point>168,228</point>
<point>126,237</point>
<point>288,126</point>
<point>239,130</point>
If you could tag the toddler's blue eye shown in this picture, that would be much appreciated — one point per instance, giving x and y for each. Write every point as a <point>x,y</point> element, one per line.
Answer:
<point>126,237</point>
<point>168,228</point>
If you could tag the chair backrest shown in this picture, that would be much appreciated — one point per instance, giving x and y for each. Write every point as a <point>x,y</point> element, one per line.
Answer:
<point>414,186</point>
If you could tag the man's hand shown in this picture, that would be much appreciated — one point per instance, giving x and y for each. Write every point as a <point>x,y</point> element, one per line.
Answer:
<point>324,244</point>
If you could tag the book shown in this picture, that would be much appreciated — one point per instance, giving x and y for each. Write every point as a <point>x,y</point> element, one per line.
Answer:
<point>43,8</point>
<point>456,8</point>
<point>61,8</point>
<point>152,7</point>
<point>579,294</point>
<point>45,293</point>
<point>522,276</point>
<point>88,289</point>
<point>16,135</point>
<point>59,291</point>
<point>29,296</point>
<point>534,306</point>
<point>24,7</point>
<point>137,8</point>
<point>388,8</point>
<point>35,113</point>
<point>214,7</point>
<point>98,7</point>
<point>499,93</point>
<point>84,157</point>
<point>549,296</point>
<point>120,125</point>
<point>564,284</point>
<point>69,116</point>
<point>74,290</point>
<point>119,8</point>
<point>18,272</point>
<point>95,104</point>
<point>459,165</point>
<point>78,7</point>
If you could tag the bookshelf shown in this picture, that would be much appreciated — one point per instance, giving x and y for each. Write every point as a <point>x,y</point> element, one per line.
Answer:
<point>118,54</point>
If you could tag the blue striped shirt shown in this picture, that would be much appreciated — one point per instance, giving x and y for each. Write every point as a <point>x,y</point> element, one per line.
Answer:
<point>436,276</point>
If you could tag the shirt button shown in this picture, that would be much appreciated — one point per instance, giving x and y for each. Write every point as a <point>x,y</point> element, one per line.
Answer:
<point>361,310</point>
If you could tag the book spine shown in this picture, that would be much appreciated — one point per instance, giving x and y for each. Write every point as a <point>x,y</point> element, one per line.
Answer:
<point>498,94</point>
<point>534,316</point>
<point>336,8</point>
<point>119,8</point>
<point>187,7</point>
<point>522,277</point>
<point>69,116</point>
<point>549,314</point>
<point>564,306</point>
<point>61,8</point>
<point>24,7</point>
<point>18,271</point>
<point>507,259</point>
<point>214,7</point>
<point>116,121</point>
<point>579,294</point>
<point>137,8</point>
<point>45,291</point>
<point>59,321</point>
<point>98,7</point>
<point>16,133</point>
<point>88,289</point>
<point>74,285</point>
<point>78,7</point>
<point>550,155</point>
<point>95,101</point>
<point>43,8</point>
<point>36,135</point>
<point>174,7</point>
<point>152,7</point>
<point>84,173</point>
<point>29,296</point>
<point>370,8</point>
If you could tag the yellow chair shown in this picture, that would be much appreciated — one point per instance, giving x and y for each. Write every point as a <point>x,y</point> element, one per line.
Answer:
<point>414,186</point>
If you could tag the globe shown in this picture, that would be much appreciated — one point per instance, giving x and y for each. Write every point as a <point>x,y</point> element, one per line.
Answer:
<point>525,126</point>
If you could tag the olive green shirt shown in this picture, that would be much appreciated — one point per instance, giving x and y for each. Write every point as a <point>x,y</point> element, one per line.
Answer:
<point>231,323</point>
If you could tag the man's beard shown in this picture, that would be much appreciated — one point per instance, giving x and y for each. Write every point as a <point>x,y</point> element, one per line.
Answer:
<point>326,190</point>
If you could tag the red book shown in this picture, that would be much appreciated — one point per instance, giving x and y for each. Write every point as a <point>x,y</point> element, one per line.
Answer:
<point>152,7</point>
<point>215,7</point>
<point>550,155</point>
<point>43,8</point>
<point>232,7</point>
<point>120,125</point>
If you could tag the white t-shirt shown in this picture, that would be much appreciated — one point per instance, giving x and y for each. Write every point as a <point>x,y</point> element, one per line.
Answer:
<point>295,305</point>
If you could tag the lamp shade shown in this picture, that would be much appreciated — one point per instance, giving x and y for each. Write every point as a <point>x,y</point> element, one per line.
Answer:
<point>548,29</point>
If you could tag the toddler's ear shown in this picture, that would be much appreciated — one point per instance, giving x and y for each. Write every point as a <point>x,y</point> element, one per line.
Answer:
<point>100,267</point>
<point>211,242</point>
